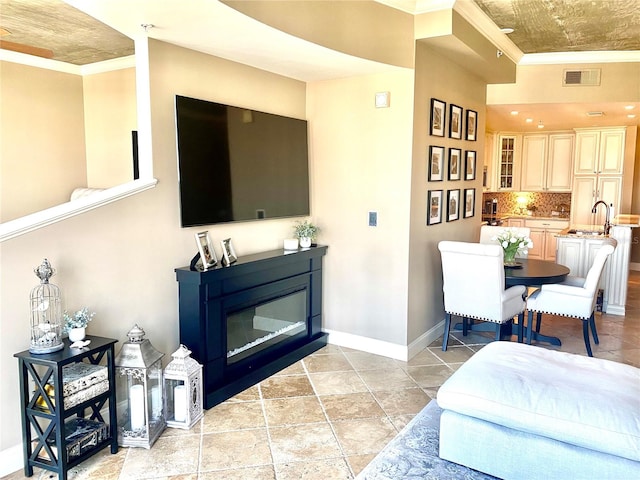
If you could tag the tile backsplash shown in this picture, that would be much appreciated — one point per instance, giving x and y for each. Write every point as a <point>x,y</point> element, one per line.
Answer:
<point>545,203</point>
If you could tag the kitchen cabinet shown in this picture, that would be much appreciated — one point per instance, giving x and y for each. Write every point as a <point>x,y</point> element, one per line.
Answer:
<point>488,170</point>
<point>599,152</point>
<point>587,190</point>
<point>599,161</point>
<point>515,222</point>
<point>543,235</point>
<point>547,162</point>
<point>508,162</point>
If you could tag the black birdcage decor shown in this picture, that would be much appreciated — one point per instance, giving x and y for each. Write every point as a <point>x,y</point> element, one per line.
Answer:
<point>46,313</point>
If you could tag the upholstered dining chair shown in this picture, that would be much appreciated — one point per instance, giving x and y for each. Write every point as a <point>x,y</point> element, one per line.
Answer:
<point>575,297</point>
<point>489,232</point>
<point>473,286</point>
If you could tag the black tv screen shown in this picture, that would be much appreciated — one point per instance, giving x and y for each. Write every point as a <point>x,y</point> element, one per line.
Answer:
<point>237,164</point>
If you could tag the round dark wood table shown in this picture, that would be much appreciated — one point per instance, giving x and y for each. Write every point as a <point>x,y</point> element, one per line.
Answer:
<point>532,272</point>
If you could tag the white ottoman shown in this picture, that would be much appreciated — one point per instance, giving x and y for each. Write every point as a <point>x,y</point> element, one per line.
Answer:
<point>521,411</point>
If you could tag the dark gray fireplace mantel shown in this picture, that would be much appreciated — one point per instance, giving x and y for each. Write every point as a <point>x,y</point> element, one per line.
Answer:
<point>206,298</point>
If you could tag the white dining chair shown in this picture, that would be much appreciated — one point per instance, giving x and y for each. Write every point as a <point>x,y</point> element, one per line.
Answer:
<point>575,297</point>
<point>488,233</point>
<point>473,285</point>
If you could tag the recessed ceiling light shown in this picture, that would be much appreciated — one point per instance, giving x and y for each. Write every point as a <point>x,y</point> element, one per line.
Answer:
<point>514,112</point>
<point>629,107</point>
<point>529,120</point>
<point>631,115</point>
<point>506,30</point>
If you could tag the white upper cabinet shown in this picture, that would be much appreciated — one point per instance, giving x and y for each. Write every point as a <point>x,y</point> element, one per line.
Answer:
<point>508,162</point>
<point>534,162</point>
<point>599,152</point>
<point>560,162</point>
<point>547,162</point>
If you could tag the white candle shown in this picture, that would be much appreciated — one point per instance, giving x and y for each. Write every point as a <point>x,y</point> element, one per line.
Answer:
<point>180,403</point>
<point>136,406</point>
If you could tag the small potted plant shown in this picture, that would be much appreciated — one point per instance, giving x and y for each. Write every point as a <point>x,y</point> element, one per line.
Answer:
<point>305,232</point>
<point>75,325</point>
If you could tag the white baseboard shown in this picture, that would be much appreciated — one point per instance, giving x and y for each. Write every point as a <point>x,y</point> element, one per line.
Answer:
<point>385,349</point>
<point>11,460</point>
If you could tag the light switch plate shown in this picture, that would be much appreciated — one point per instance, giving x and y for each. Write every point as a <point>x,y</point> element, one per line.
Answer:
<point>382,99</point>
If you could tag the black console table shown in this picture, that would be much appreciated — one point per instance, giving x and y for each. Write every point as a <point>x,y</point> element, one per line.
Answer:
<point>48,448</point>
<point>219,305</point>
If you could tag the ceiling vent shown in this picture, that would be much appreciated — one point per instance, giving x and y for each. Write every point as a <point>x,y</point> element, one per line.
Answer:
<point>590,76</point>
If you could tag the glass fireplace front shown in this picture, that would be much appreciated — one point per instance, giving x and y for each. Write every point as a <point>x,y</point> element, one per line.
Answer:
<point>256,328</point>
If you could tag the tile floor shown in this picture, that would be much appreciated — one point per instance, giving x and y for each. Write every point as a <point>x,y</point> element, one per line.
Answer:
<point>327,416</point>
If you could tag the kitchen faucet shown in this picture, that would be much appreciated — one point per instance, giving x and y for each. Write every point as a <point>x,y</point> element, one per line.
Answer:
<point>607,224</point>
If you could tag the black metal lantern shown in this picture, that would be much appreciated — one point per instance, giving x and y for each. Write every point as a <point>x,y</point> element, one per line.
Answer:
<point>139,392</point>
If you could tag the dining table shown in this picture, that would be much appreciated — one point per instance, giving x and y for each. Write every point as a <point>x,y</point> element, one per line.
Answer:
<point>530,272</point>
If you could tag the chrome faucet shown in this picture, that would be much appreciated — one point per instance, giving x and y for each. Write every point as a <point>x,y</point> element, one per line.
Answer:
<point>607,224</point>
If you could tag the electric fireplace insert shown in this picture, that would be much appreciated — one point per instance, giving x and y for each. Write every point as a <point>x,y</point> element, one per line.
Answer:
<point>246,321</point>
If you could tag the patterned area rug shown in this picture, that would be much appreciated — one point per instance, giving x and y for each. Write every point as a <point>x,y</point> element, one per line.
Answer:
<point>413,454</point>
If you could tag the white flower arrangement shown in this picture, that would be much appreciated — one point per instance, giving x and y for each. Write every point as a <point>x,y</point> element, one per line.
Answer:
<point>513,241</point>
<point>79,319</point>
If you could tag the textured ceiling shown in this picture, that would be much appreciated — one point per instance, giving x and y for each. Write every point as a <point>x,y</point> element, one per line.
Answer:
<point>545,26</point>
<point>62,32</point>
<point>540,26</point>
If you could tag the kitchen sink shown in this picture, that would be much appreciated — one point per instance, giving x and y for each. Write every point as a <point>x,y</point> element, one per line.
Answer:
<point>595,233</point>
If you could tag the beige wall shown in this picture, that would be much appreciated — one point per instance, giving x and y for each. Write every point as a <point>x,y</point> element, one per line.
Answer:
<point>110,116</point>
<point>361,160</point>
<point>543,84</point>
<point>119,259</point>
<point>42,147</point>
<point>438,77</point>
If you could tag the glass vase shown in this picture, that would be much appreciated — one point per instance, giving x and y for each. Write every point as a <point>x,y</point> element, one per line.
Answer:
<point>510,257</point>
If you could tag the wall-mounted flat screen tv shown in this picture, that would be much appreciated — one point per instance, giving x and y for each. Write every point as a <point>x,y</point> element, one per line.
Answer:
<point>237,164</point>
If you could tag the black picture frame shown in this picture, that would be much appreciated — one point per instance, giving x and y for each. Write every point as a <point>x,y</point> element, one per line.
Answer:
<point>472,125</point>
<point>470,165</point>
<point>436,163</point>
<point>455,121</point>
<point>438,117</point>
<point>453,205</point>
<point>455,163</point>
<point>469,202</point>
<point>434,207</point>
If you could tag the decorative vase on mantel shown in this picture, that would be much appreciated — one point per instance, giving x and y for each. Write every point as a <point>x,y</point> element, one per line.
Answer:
<point>305,242</point>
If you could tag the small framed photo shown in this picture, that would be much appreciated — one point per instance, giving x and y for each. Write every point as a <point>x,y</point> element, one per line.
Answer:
<point>469,202</point>
<point>436,163</point>
<point>228,253</point>
<point>434,207</point>
<point>472,125</point>
<point>455,162</point>
<point>205,248</point>
<point>455,121</point>
<point>438,116</point>
<point>470,165</point>
<point>453,205</point>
